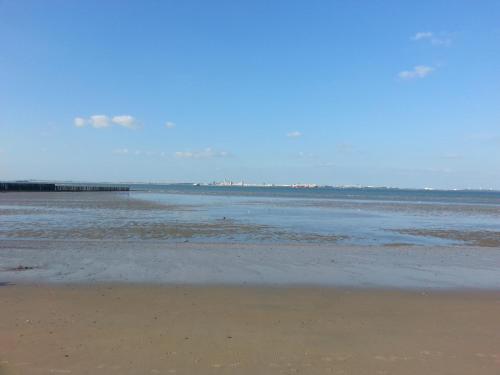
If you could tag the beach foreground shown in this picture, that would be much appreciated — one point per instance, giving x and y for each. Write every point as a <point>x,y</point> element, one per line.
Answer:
<point>141,329</point>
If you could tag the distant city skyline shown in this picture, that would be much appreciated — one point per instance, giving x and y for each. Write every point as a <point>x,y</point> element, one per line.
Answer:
<point>321,92</point>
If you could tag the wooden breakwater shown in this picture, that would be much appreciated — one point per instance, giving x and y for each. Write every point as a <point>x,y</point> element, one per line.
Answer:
<point>26,186</point>
<point>43,186</point>
<point>65,187</point>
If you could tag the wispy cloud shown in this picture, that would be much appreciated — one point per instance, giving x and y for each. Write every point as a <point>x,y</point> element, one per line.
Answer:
<point>422,35</point>
<point>294,134</point>
<point>139,153</point>
<point>104,121</point>
<point>121,151</point>
<point>435,40</point>
<point>419,71</point>
<point>306,155</point>
<point>207,153</point>
<point>170,125</point>
<point>80,122</point>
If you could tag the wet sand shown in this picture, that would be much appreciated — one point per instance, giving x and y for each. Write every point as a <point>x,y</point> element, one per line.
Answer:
<point>140,329</point>
<point>481,238</point>
<point>158,262</point>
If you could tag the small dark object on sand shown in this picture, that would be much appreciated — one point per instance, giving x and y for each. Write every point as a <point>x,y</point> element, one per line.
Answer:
<point>21,268</point>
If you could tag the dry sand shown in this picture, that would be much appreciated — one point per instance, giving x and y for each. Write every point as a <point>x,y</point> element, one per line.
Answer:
<point>140,329</point>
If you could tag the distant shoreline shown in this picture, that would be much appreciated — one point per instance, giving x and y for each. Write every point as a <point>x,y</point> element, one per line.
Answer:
<point>248,185</point>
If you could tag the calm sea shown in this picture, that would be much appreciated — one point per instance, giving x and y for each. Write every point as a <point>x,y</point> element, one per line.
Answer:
<point>359,215</point>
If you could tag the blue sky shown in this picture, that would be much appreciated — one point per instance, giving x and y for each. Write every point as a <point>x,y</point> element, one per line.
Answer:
<point>332,92</point>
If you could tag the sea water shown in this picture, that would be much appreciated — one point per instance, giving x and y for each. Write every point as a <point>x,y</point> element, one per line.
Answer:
<point>180,212</point>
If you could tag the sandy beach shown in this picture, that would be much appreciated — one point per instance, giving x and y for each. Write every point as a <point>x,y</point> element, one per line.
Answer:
<point>106,283</point>
<point>140,329</point>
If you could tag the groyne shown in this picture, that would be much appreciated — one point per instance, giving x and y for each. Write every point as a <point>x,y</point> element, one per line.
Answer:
<point>43,186</point>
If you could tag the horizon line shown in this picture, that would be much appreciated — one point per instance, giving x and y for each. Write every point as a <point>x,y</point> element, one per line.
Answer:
<point>243,184</point>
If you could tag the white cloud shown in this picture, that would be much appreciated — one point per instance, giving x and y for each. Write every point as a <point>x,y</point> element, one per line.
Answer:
<point>422,35</point>
<point>170,125</point>
<point>436,40</point>
<point>419,71</point>
<point>294,134</point>
<point>121,151</point>
<point>99,121</point>
<point>184,154</point>
<point>126,121</point>
<point>306,155</point>
<point>207,153</point>
<point>103,121</point>
<point>80,122</point>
